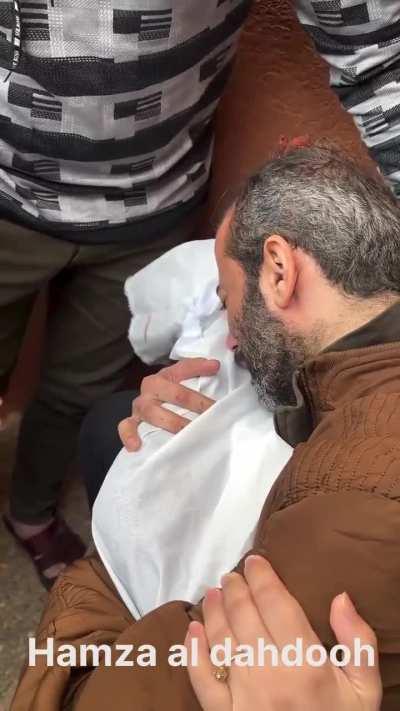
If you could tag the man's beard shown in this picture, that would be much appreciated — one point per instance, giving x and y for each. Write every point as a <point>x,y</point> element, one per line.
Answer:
<point>270,352</point>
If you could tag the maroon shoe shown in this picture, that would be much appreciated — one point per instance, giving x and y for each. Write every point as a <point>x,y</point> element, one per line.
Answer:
<point>56,544</point>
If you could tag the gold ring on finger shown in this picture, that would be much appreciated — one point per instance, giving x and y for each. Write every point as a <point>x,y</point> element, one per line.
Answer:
<point>221,673</point>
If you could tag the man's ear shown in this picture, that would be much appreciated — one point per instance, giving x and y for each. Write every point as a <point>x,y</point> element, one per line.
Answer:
<point>279,272</point>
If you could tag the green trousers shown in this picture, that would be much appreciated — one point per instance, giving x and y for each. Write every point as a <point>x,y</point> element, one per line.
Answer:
<point>86,353</point>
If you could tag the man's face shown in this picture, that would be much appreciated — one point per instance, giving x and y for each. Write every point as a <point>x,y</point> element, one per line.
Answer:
<point>263,343</point>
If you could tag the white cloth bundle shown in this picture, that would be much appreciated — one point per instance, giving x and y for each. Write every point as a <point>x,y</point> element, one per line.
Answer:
<point>173,517</point>
<point>170,297</point>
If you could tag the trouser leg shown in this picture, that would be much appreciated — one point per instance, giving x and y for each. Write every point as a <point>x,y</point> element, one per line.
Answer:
<point>87,357</point>
<point>99,442</point>
<point>28,260</point>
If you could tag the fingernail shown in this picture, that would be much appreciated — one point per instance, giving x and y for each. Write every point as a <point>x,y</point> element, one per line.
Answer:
<point>347,605</point>
<point>194,629</point>
<point>253,559</point>
<point>225,579</point>
<point>213,593</point>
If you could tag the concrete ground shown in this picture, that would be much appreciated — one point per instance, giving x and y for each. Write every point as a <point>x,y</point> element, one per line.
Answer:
<point>21,594</point>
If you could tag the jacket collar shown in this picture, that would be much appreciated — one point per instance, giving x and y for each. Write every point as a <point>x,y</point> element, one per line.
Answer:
<point>354,366</point>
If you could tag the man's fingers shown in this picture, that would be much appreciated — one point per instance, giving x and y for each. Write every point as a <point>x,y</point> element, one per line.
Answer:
<point>241,613</point>
<point>348,626</point>
<point>280,612</point>
<point>191,368</point>
<point>158,388</point>
<point>212,694</point>
<point>165,387</point>
<point>128,433</point>
<point>148,409</point>
<point>152,412</point>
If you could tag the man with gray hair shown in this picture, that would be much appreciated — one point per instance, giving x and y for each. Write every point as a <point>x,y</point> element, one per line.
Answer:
<point>106,135</point>
<point>309,268</point>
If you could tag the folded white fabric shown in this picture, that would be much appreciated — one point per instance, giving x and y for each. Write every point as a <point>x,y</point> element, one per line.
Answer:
<point>166,297</point>
<point>173,517</point>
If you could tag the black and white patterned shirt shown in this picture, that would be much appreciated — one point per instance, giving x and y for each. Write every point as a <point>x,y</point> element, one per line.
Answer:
<point>361,43</point>
<point>106,110</point>
<point>106,106</point>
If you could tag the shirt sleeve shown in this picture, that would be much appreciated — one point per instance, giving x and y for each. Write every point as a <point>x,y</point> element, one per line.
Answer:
<point>361,45</point>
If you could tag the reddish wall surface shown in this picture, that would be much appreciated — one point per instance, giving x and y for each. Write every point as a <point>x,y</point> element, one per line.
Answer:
<point>279,87</point>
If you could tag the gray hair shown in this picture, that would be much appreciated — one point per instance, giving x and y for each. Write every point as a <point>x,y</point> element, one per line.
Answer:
<point>323,203</point>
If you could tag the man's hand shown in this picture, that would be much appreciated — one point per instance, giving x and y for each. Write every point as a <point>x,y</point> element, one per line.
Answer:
<point>165,387</point>
<point>260,606</point>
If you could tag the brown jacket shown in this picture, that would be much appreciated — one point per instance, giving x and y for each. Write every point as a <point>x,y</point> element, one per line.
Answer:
<point>331,523</point>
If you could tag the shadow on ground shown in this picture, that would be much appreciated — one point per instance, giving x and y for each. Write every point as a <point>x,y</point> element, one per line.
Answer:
<point>21,594</point>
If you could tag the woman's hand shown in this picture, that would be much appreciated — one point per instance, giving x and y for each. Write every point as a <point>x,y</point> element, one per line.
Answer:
<point>259,606</point>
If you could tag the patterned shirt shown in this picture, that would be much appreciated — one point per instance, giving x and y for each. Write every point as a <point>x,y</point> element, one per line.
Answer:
<point>361,43</point>
<point>106,110</point>
<point>106,106</point>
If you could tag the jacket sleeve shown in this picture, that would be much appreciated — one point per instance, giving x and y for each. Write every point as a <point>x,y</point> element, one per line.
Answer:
<point>361,45</point>
<point>320,547</point>
<point>345,542</point>
<point>83,608</point>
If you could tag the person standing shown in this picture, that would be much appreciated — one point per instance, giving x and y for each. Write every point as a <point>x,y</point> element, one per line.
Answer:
<point>106,134</point>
